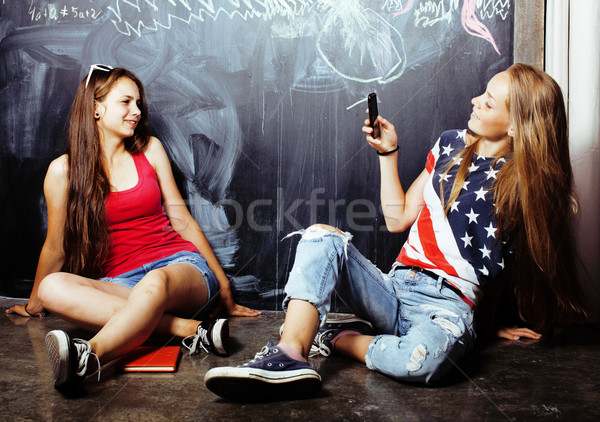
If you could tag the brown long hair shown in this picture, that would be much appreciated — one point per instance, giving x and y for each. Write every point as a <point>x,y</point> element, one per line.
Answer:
<point>86,237</point>
<point>534,198</point>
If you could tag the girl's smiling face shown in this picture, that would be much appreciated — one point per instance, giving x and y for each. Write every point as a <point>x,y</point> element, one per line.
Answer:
<point>490,118</point>
<point>119,113</point>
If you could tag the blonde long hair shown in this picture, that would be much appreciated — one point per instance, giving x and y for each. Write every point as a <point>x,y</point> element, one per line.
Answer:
<point>535,204</point>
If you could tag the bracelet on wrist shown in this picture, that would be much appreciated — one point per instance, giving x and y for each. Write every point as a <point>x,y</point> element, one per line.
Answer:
<point>31,315</point>
<point>389,152</point>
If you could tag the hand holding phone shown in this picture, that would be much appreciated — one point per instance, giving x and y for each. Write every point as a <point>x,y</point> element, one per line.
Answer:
<point>373,113</point>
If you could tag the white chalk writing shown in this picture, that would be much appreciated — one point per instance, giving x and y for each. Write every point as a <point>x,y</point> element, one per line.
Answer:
<point>40,13</point>
<point>490,8</point>
<point>430,13</point>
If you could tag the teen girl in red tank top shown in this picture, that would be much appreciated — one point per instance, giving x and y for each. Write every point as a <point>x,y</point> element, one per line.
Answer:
<point>106,219</point>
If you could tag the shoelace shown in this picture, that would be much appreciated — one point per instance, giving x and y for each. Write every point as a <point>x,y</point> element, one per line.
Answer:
<point>84,351</point>
<point>314,349</point>
<point>320,348</point>
<point>200,336</point>
<point>265,351</point>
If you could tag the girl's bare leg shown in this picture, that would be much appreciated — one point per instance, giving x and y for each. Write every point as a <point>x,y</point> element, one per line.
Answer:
<point>300,326</point>
<point>354,346</point>
<point>126,318</point>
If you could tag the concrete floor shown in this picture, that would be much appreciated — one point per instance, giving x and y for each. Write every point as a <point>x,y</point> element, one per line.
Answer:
<point>558,378</point>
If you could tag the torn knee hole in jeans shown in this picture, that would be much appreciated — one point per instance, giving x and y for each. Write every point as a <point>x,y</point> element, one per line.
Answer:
<point>417,357</point>
<point>318,231</point>
<point>448,325</point>
<point>438,316</point>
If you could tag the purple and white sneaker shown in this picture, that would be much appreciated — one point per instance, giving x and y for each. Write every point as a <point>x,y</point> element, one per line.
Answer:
<point>271,375</point>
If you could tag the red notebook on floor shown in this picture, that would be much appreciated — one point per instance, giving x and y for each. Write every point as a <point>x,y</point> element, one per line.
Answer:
<point>150,359</point>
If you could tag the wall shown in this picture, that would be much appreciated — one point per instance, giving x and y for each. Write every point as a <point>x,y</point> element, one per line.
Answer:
<point>259,106</point>
<point>573,30</point>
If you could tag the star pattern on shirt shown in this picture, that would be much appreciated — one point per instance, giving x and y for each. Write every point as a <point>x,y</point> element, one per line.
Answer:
<point>491,174</point>
<point>444,177</point>
<point>471,216</point>
<point>447,150</point>
<point>485,252</point>
<point>475,238</point>
<point>491,230</point>
<point>467,239</point>
<point>480,194</point>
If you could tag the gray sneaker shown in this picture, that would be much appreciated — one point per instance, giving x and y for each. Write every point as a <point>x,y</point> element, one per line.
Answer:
<point>69,358</point>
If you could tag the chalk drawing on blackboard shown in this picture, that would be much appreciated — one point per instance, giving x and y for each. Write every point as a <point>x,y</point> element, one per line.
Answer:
<point>251,100</point>
<point>318,77</point>
<point>429,13</point>
<point>361,46</point>
<point>358,43</point>
<point>473,26</point>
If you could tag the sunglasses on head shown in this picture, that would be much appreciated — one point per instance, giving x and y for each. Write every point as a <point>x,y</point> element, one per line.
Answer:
<point>102,67</point>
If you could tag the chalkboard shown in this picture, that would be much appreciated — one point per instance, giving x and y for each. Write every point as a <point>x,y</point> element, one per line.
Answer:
<point>259,105</point>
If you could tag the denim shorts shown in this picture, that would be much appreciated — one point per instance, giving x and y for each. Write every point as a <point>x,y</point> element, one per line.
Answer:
<point>130,278</point>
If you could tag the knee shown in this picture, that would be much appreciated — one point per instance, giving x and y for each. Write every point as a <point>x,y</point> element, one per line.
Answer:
<point>52,289</point>
<point>431,360</point>
<point>328,236</point>
<point>424,361</point>
<point>418,365</point>
<point>425,364</point>
<point>320,231</point>
<point>154,285</point>
<point>315,228</point>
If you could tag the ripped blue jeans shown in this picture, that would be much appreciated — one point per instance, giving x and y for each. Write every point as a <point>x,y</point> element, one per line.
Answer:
<point>423,328</point>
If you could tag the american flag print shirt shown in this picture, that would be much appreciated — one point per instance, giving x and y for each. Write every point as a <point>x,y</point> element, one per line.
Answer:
<point>463,246</point>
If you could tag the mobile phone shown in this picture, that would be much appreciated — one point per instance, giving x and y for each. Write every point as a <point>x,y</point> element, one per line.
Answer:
<point>373,113</point>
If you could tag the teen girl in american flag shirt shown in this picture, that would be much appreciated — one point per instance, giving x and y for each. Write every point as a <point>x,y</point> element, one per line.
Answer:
<point>468,210</point>
<point>463,247</point>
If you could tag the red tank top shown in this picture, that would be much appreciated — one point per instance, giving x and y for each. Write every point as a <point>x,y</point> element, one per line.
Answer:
<point>139,229</point>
